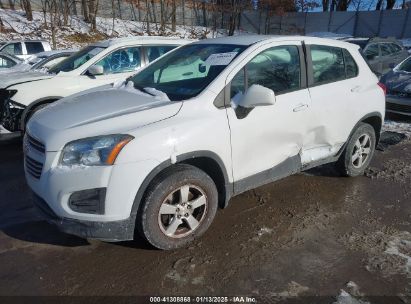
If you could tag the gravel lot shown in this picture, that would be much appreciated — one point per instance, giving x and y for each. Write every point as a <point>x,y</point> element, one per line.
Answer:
<point>312,234</point>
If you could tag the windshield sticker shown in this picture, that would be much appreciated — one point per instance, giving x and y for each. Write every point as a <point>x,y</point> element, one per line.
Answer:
<point>221,58</point>
<point>95,51</point>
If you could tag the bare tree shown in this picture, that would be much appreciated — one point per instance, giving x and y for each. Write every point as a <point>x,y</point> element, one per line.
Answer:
<point>27,8</point>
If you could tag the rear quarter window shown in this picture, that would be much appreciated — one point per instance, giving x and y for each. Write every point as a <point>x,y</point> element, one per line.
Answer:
<point>34,47</point>
<point>351,68</point>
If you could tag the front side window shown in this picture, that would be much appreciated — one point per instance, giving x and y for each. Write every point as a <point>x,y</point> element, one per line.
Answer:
<point>13,48</point>
<point>121,61</point>
<point>372,52</point>
<point>77,59</point>
<point>186,72</point>
<point>328,64</point>
<point>154,52</point>
<point>6,63</point>
<point>34,47</point>
<point>277,68</point>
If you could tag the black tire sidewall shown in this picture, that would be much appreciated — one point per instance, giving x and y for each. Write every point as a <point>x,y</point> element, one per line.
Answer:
<point>346,165</point>
<point>160,188</point>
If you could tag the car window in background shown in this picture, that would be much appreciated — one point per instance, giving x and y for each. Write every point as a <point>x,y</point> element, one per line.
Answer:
<point>351,68</point>
<point>395,48</point>
<point>186,72</point>
<point>34,47</point>
<point>372,52</point>
<point>405,66</point>
<point>13,48</point>
<point>6,62</point>
<point>153,52</point>
<point>48,62</point>
<point>121,61</point>
<point>328,64</point>
<point>360,43</point>
<point>385,49</point>
<point>77,59</point>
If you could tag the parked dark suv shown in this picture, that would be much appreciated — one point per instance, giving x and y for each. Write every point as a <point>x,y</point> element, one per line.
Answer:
<point>382,54</point>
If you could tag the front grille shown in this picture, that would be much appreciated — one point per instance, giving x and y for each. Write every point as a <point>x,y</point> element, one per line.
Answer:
<point>35,144</point>
<point>33,167</point>
<point>398,107</point>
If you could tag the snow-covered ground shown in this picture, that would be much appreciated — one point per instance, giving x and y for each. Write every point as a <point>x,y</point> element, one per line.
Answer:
<point>78,32</point>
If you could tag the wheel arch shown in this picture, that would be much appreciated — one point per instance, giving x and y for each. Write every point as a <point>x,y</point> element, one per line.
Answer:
<point>207,161</point>
<point>28,110</point>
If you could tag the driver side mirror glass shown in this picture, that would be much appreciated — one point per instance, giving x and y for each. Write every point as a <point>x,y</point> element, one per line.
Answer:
<point>95,70</point>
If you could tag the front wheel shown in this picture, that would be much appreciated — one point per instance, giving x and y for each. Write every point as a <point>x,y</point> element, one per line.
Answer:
<point>179,207</point>
<point>359,151</point>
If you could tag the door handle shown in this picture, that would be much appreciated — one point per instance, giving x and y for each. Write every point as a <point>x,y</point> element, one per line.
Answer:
<point>300,107</point>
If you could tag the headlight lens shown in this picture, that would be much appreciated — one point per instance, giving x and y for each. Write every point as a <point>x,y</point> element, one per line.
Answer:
<point>94,151</point>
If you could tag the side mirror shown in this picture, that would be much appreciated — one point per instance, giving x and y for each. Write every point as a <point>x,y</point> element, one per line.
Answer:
<point>256,96</point>
<point>202,68</point>
<point>392,65</point>
<point>95,70</point>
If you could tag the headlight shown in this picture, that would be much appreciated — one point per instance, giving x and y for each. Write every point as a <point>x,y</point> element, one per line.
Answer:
<point>94,151</point>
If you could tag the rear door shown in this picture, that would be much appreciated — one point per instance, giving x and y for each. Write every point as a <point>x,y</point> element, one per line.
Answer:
<point>266,140</point>
<point>334,89</point>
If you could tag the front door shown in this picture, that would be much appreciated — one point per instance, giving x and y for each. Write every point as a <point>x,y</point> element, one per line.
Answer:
<point>268,137</point>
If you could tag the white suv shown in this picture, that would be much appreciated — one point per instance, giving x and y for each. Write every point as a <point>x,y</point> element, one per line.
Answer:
<point>24,49</point>
<point>205,122</point>
<point>95,65</point>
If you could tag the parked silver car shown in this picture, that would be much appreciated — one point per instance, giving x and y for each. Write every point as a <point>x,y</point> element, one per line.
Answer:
<point>382,54</point>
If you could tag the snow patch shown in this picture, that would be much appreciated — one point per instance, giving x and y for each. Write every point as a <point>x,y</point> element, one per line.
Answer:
<point>346,298</point>
<point>399,127</point>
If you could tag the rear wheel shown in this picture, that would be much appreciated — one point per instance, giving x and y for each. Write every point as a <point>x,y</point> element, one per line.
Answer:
<point>359,151</point>
<point>179,207</point>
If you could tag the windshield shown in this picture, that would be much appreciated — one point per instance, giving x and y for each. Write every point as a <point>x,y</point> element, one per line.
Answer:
<point>76,60</point>
<point>186,72</point>
<point>406,66</point>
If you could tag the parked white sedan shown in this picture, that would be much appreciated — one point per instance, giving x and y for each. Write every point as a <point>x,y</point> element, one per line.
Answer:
<point>95,65</point>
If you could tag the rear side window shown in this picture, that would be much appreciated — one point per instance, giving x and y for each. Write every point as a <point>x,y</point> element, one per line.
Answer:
<point>328,64</point>
<point>351,68</point>
<point>153,52</point>
<point>13,48</point>
<point>34,47</point>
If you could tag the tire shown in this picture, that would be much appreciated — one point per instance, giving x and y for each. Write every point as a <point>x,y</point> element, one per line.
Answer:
<point>165,219</point>
<point>359,151</point>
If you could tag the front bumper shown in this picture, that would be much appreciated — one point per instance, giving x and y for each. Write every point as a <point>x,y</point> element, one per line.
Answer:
<point>398,105</point>
<point>113,231</point>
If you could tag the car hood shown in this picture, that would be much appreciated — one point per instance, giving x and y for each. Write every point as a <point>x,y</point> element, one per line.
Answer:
<point>397,81</point>
<point>9,79</point>
<point>97,112</point>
